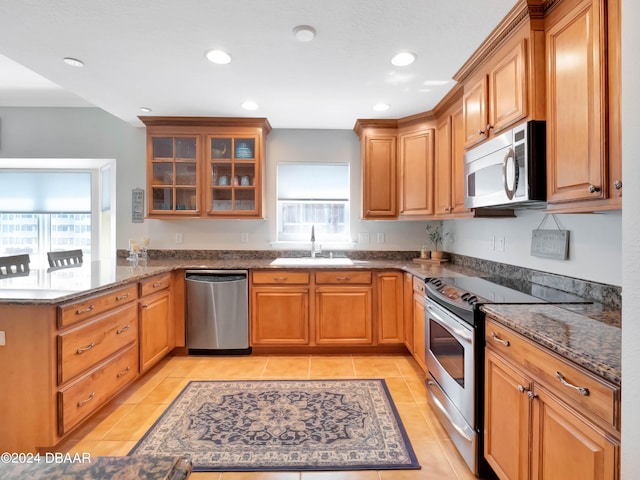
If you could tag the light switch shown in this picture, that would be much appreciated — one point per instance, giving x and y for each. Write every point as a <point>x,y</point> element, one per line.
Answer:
<point>178,238</point>
<point>244,237</point>
<point>363,237</point>
<point>380,237</point>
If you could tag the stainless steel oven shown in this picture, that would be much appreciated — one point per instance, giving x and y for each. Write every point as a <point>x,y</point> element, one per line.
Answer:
<point>451,383</point>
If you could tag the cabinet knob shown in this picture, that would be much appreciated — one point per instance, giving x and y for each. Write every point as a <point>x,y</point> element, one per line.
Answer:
<point>489,127</point>
<point>593,188</point>
<point>481,132</point>
<point>522,389</point>
<point>617,184</point>
<point>532,395</point>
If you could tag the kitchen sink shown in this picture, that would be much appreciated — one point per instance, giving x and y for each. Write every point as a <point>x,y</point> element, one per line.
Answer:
<point>312,261</point>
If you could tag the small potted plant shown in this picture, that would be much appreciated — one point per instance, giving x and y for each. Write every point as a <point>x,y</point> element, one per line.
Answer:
<point>437,236</point>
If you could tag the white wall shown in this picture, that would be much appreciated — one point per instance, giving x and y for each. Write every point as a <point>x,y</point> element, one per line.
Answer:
<point>594,242</point>
<point>630,242</point>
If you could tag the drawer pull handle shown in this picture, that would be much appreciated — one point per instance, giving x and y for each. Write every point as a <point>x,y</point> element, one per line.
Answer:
<point>157,284</point>
<point>499,340</point>
<point>280,279</point>
<point>122,297</point>
<point>583,390</point>
<point>522,389</point>
<point>122,330</point>
<point>344,279</point>
<point>80,311</point>
<point>532,395</point>
<point>81,350</point>
<point>124,372</point>
<point>145,305</point>
<point>89,398</point>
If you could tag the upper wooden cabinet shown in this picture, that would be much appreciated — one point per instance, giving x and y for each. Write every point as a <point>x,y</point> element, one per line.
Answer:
<point>205,166</point>
<point>379,157</point>
<point>449,157</point>
<point>416,136</point>
<point>504,79</point>
<point>583,105</point>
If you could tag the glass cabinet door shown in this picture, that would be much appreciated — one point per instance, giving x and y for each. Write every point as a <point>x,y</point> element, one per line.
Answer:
<point>174,175</point>
<point>232,175</point>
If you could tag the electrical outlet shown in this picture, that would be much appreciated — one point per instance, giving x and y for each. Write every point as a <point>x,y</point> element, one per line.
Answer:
<point>3,339</point>
<point>178,238</point>
<point>492,242</point>
<point>500,246</point>
<point>380,237</point>
<point>244,237</point>
<point>363,237</point>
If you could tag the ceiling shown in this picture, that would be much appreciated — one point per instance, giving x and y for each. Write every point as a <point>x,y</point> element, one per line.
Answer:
<point>151,53</point>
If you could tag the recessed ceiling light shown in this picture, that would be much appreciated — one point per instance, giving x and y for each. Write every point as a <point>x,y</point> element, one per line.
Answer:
<point>145,109</point>
<point>218,57</point>
<point>436,83</point>
<point>304,33</point>
<point>250,105</point>
<point>381,107</point>
<point>403,59</point>
<point>74,62</point>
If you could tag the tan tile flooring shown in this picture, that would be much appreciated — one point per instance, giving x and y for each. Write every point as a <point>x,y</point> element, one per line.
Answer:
<point>117,428</point>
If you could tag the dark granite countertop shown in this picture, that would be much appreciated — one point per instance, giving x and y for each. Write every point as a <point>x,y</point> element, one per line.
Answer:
<point>44,287</point>
<point>569,331</point>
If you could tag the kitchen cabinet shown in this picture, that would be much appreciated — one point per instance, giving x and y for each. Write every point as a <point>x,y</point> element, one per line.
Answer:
<point>379,158</point>
<point>503,80</point>
<point>207,167</point>
<point>416,168</point>
<point>390,320</point>
<point>449,158</point>
<point>407,314</point>
<point>419,340</point>
<point>157,337</point>
<point>545,417</point>
<point>62,362</point>
<point>583,106</point>
<point>343,308</point>
<point>280,308</point>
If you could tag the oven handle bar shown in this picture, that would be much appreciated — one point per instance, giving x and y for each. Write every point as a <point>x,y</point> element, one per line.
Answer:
<point>448,325</point>
<point>461,430</point>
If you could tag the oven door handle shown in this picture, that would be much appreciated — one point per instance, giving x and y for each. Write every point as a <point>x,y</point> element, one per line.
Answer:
<point>456,332</point>
<point>461,430</point>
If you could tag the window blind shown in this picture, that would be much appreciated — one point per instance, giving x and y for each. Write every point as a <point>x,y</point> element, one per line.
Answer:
<point>299,181</point>
<point>45,192</point>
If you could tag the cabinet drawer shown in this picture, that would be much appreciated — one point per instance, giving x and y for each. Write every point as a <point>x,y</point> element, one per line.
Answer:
<point>418,285</point>
<point>86,346</point>
<point>84,397</point>
<point>581,388</point>
<point>281,277</point>
<point>71,313</point>
<point>343,277</point>
<point>155,284</point>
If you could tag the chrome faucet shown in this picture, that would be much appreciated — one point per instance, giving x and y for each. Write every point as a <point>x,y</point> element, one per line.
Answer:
<point>314,250</point>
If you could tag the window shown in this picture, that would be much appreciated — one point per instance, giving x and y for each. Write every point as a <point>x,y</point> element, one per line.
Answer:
<point>42,211</point>
<point>313,195</point>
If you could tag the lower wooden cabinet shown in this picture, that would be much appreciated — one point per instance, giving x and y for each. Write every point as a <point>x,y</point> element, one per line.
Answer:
<point>419,330</point>
<point>407,311</point>
<point>280,315</point>
<point>536,426</point>
<point>327,308</point>
<point>156,327</point>
<point>343,315</point>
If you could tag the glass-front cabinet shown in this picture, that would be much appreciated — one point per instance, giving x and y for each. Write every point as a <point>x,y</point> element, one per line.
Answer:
<point>173,175</point>
<point>232,170</point>
<point>205,166</point>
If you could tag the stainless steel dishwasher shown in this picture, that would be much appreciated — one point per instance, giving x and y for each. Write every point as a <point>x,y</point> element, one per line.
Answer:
<point>217,312</point>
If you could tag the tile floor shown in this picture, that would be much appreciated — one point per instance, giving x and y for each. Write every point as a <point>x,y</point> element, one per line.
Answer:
<point>117,428</point>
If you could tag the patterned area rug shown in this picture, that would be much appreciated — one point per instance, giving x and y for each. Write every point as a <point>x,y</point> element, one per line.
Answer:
<point>282,425</point>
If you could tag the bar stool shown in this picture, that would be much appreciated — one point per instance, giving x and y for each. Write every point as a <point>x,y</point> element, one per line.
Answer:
<point>14,265</point>
<point>68,258</point>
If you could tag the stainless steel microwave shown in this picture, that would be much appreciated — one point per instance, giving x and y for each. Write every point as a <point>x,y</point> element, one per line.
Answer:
<point>509,170</point>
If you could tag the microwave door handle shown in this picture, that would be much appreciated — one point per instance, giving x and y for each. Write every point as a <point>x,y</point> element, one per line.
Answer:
<point>516,173</point>
<point>456,332</point>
